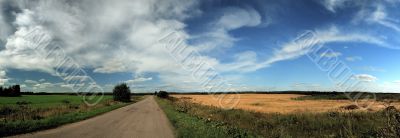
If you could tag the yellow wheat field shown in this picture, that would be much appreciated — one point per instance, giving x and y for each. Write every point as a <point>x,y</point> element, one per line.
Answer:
<point>278,103</point>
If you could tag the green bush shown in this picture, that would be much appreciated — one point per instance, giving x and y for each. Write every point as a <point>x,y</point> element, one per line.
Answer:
<point>122,93</point>
<point>65,101</point>
<point>163,94</point>
<point>22,103</point>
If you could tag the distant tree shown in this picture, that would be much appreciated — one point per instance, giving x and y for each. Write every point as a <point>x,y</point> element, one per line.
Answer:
<point>10,91</point>
<point>163,94</point>
<point>16,90</point>
<point>1,90</point>
<point>5,91</point>
<point>122,93</point>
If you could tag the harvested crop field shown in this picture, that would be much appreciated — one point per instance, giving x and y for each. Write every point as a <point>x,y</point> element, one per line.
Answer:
<point>281,103</point>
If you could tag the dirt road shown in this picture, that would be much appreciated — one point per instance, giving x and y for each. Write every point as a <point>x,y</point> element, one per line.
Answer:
<point>143,119</point>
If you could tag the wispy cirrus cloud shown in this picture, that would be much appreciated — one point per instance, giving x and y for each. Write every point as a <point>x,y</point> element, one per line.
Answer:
<point>371,68</point>
<point>331,5</point>
<point>353,58</point>
<point>331,54</point>
<point>231,18</point>
<point>291,50</point>
<point>380,16</point>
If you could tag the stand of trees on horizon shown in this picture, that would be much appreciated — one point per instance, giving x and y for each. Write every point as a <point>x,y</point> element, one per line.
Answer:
<point>11,91</point>
<point>162,94</point>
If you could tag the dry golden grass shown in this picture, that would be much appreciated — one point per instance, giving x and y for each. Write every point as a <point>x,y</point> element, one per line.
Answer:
<point>277,103</point>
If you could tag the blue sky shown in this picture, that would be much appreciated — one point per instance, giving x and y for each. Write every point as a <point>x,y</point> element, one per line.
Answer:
<point>249,43</point>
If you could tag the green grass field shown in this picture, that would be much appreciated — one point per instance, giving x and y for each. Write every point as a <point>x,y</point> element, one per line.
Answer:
<point>46,100</point>
<point>36,112</point>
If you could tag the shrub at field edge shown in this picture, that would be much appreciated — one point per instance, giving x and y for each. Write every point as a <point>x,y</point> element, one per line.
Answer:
<point>122,93</point>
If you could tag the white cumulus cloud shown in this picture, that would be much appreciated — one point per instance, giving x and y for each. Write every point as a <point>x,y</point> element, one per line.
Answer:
<point>138,79</point>
<point>3,77</point>
<point>353,58</point>
<point>31,81</point>
<point>331,54</point>
<point>232,18</point>
<point>365,77</point>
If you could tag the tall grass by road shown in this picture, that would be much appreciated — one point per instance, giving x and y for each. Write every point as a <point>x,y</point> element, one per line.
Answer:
<point>187,125</point>
<point>44,100</point>
<point>37,112</point>
<point>332,124</point>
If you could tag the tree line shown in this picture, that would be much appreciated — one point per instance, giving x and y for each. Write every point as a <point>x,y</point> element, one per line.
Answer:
<point>10,91</point>
<point>122,92</point>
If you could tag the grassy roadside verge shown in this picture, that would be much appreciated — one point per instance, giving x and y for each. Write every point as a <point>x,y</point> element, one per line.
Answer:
<point>332,124</point>
<point>187,125</point>
<point>19,119</point>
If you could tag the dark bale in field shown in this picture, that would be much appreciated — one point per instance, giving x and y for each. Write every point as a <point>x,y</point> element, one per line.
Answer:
<point>350,107</point>
<point>21,103</point>
<point>163,94</point>
<point>65,101</point>
<point>122,93</point>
